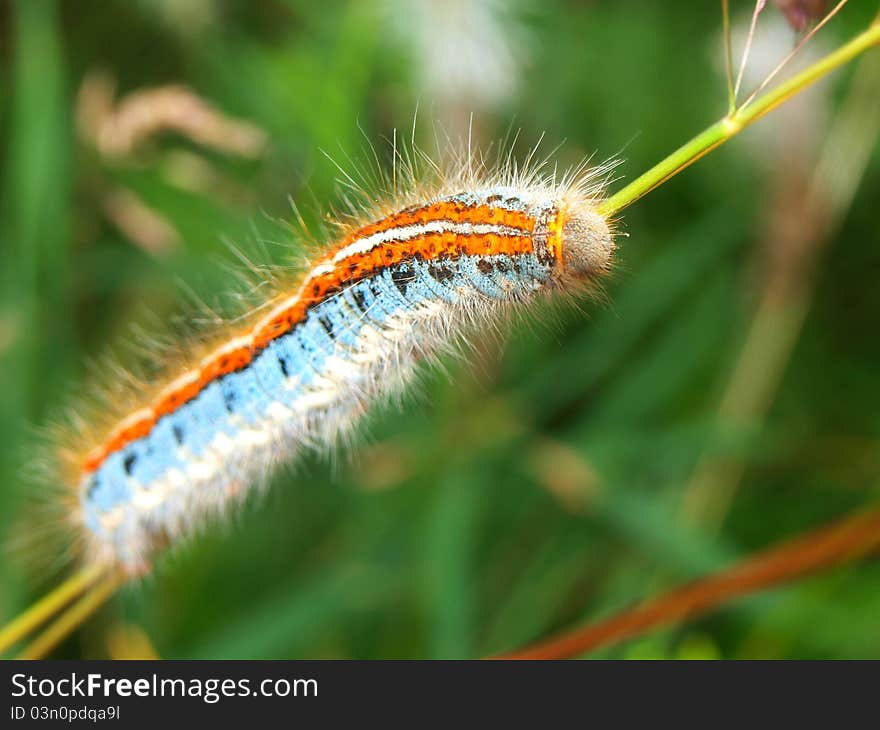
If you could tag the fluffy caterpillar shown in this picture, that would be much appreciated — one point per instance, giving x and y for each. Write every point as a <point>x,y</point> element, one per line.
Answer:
<point>402,280</point>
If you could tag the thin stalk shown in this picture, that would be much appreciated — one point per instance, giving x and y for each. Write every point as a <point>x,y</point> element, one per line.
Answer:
<point>753,26</point>
<point>806,39</point>
<point>73,617</point>
<point>48,606</point>
<point>732,124</point>
<point>728,56</point>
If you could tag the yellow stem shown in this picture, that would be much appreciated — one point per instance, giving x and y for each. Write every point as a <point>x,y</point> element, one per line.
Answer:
<point>48,606</point>
<point>73,617</point>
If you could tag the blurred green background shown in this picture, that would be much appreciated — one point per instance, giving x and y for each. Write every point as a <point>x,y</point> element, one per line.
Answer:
<point>549,478</point>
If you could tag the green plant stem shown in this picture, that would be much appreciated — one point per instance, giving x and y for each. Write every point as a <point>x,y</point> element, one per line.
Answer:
<point>728,127</point>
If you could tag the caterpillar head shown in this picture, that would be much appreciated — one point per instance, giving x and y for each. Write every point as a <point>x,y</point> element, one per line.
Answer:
<point>586,241</point>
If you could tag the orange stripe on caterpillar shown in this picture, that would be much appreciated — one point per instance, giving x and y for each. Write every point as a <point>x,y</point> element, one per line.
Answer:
<point>239,353</point>
<point>444,210</point>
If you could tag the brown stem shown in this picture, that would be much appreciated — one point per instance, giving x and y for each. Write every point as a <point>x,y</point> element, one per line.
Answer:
<point>849,538</point>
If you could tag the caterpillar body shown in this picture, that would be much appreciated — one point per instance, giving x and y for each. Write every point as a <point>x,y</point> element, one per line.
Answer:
<point>400,284</point>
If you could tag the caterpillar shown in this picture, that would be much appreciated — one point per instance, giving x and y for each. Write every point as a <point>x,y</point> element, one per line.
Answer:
<point>400,282</point>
